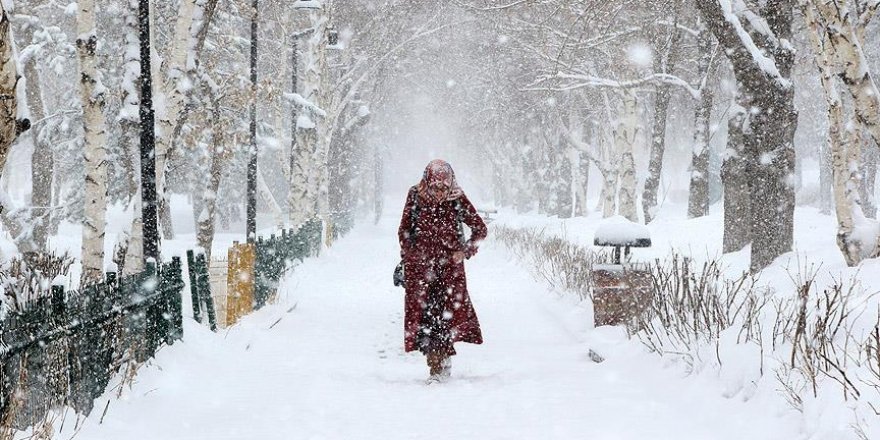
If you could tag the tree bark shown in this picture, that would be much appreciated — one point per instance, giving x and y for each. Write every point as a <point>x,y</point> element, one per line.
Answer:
<point>129,120</point>
<point>174,99</point>
<point>8,83</point>
<point>134,255</point>
<point>870,154</point>
<point>658,131</point>
<point>626,140</point>
<point>312,132</point>
<point>610,169</point>
<point>734,177</point>
<point>825,199</point>
<point>698,200</point>
<point>839,23</point>
<point>769,93</point>
<point>92,96</point>
<point>206,219</point>
<point>844,145</point>
<point>581,191</point>
<point>42,159</point>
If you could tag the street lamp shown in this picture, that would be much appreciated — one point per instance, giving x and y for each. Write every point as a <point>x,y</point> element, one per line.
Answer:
<point>148,140</point>
<point>251,227</point>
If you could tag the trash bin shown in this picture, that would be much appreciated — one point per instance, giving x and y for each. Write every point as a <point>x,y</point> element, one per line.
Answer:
<point>621,289</point>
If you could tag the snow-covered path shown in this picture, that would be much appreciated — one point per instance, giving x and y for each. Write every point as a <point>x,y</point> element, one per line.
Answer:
<point>333,368</point>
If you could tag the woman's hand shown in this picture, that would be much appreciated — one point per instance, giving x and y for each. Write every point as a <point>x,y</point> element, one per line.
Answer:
<point>457,257</point>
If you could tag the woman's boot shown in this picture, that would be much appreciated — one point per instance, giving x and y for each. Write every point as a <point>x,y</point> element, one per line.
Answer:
<point>435,366</point>
<point>446,367</point>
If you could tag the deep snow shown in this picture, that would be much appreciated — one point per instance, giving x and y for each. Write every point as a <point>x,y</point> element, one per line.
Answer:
<point>333,368</point>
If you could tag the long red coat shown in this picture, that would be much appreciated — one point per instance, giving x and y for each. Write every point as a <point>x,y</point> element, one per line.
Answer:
<point>428,258</point>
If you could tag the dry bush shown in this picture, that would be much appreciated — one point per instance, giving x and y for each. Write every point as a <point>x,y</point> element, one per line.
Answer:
<point>560,262</point>
<point>818,325</point>
<point>692,305</point>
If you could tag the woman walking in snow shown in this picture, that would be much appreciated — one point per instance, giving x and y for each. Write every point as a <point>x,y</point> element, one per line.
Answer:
<point>438,310</point>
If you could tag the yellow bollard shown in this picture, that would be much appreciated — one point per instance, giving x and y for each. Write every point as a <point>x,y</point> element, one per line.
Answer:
<point>240,281</point>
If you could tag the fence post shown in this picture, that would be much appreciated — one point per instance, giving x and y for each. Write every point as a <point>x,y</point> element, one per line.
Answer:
<point>58,379</point>
<point>260,273</point>
<point>193,286</point>
<point>204,290</point>
<point>174,300</point>
<point>58,304</point>
<point>148,291</point>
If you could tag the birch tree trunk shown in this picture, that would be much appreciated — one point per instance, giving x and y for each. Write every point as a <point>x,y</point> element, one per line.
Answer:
<point>845,159</point>
<point>845,147</point>
<point>825,177</point>
<point>839,23</point>
<point>92,95</point>
<point>580,195</point>
<point>129,121</point>
<point>626,140</point>
<point>579,155</point>
<point>309,168</point>
<point>42,160</point>
<point>206,219</point>
<point>129,117</point>
<point>870,155</point>
<point>174,99</point>
<point>134,254</point>
<point>8,83</point>
<point>609,166</point>
<point>269,199</point>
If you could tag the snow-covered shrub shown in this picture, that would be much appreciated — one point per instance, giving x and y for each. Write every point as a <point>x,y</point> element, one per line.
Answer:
<point>29,276</point>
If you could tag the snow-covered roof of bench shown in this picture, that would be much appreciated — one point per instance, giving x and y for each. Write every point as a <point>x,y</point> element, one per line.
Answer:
<point>618,231</point>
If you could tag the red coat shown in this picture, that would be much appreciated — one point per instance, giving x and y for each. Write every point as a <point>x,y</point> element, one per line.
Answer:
<point>429,255</point>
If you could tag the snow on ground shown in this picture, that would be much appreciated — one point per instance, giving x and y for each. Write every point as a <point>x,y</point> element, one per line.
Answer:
<point>326,362</point>
<point>738,366</point>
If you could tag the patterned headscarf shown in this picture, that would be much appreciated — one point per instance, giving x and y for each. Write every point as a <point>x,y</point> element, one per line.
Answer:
<point>439,171</point>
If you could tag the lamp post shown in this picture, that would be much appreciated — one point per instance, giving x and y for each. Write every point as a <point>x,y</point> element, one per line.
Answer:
<point>148,140</point>
<point>294,60</point>
<point>252,163</point>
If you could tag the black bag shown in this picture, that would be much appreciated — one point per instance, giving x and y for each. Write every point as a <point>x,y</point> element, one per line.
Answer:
<point>398,275</point>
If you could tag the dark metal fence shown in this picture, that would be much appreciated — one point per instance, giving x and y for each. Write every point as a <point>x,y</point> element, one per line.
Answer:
<point>278,252</point>
<point>63,348</point>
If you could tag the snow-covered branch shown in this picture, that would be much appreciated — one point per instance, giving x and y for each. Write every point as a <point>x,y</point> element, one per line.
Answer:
<point>578,81</point>
<point>304,103</point>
